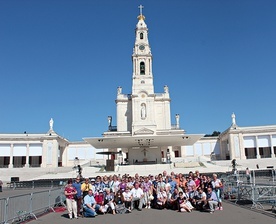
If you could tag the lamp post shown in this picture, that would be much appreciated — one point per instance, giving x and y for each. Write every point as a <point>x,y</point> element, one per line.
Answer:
<point>76,162</point>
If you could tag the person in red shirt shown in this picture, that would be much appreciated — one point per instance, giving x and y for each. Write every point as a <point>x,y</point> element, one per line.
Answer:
<point>71,203</point>
<point>99,198</point>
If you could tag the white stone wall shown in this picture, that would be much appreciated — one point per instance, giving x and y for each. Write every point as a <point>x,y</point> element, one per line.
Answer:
<point>84,152</point>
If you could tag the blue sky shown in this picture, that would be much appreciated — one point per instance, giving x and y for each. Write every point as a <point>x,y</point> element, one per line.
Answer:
<point>65,58</point>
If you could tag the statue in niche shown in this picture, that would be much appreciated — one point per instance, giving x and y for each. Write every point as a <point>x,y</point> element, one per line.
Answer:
<point>145,155</point>
<point>143,111</point>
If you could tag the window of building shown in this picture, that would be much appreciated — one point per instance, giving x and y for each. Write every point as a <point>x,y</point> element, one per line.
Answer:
<point>4,161</point>
<point>35,161</point>
<point>19,161</point>
<point>250,153</point>
<point>265,152</point>
<point>141,36</point>
<point>176,154</point>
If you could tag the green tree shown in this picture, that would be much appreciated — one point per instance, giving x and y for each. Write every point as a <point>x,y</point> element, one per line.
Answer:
<point>215,133</point>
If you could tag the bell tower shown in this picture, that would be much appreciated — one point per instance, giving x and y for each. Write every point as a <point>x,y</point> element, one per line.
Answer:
<point>143,112</point>
<point>142,78</point>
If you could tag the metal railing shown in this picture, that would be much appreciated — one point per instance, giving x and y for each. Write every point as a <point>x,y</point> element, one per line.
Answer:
<point>36,184</point>
<point>257,194</point>
<point>259,187</point>
<point>22,207</point>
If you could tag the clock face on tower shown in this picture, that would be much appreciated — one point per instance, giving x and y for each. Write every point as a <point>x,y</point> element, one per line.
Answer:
<point>142,47</point>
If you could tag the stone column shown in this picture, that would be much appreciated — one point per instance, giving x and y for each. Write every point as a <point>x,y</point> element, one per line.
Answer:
<point>171,154</point>
<point>242,146</point>
<point>27,155</point>
<point>257,148</point>
<point>44,153</point>
<point>11,157</point>
<point>182,151</point>
<point>271,147</point>
<point>231,147</point>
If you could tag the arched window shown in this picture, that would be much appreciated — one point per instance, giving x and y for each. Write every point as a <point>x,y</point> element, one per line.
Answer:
<point>141,36</point>
<point>142,68</point>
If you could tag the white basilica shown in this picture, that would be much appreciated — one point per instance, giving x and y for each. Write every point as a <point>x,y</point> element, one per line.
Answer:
<point>144,133</point>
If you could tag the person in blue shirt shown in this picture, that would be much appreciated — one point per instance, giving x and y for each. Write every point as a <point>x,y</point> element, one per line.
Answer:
<point>173,184</point>
<point>90,205</point>
<point>77,185</point>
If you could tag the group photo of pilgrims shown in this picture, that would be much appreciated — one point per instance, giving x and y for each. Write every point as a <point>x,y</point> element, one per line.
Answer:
<point>117,194</point>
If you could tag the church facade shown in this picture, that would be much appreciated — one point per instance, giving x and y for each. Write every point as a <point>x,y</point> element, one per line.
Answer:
<point>144,133</point>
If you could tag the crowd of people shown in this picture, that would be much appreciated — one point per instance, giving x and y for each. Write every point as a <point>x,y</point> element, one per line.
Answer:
<point>121,194</point>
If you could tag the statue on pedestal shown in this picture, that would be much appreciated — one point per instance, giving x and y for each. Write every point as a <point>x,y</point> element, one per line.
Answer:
<point>233,119</point>
<point>51,123</point>
<point>119,90</point>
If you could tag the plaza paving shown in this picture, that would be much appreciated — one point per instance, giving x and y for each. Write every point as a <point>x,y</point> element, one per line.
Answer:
<point>231,214</point>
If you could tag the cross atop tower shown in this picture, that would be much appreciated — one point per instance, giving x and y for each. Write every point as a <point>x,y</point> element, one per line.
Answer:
<point>141,16</point>
<point>141,9</point>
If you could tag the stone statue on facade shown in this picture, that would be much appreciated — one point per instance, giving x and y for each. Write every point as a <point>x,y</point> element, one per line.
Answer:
<point>233,119</point>
<point>177,120</point>
<point>143,111</point>
<point>119,90</point>
<point>51,123</point>
<point>166,89</point>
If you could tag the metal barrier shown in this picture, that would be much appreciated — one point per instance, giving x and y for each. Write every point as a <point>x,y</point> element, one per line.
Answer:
<point>20,208</point>
<point>2,211</point>
<point>258,194</point>
<point>259,187</point>
<point>36,184</point>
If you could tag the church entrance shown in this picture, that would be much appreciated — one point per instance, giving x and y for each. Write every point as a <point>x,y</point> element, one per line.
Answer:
<point>144,155</point>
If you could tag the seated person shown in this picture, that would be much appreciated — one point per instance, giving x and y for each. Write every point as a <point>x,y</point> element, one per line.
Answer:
<point>127,198</point>
<point>161,198</point>
<point>172,201</point>
<point>90,206</point>
<point>182,203</point>
<point>119,202</point>
<point>211,199</point>
<point>109,201</point>
<point>193,195</point>
<point>201,200</point>
<point>137,196</point>
<point>99,197</point>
